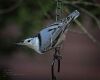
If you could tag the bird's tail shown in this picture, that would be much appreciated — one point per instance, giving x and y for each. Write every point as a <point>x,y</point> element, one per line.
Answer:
<point>72,16</point>
<point>69,19</point>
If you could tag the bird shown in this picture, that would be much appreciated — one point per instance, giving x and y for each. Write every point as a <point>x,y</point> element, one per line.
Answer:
<point>51,36</point>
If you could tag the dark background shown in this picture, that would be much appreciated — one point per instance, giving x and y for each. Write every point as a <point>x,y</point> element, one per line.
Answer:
<point>20,19</point>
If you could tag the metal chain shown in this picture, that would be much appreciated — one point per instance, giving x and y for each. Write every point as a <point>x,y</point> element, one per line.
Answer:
<point>59,10</point>
<point>57,57</point>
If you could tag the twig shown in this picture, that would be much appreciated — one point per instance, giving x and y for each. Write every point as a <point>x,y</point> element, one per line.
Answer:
<point>89,14</point>
<point>85,31</point>
<point>78,32</point>
<point>12,8</point>
<point>84,3</point>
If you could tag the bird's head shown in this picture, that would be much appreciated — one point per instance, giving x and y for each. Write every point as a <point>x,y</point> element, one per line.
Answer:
<point>31,43</point>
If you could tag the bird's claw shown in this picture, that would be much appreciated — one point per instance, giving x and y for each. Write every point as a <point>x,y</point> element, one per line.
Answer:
<point>57,56</point>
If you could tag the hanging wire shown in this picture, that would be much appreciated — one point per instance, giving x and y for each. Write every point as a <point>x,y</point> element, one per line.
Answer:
<point>57,57</point>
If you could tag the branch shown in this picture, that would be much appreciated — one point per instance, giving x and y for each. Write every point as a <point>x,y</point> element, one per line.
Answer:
<point>74,31</point>
<point>12,8</point>
<point>89,14</point>
<point>84,3</point>
<point>86,32</point>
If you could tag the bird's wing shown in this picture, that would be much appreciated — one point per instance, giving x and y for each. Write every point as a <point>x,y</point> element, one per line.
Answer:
<point>48,35</point>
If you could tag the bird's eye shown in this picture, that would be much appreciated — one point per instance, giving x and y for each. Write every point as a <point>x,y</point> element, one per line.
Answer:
<point>28,40</point>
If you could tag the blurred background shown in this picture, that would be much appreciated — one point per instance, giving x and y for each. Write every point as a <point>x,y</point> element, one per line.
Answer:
<point>20,19</point>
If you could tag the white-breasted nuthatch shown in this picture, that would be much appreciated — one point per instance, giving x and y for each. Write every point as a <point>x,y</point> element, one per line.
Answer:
<point>51,36</point>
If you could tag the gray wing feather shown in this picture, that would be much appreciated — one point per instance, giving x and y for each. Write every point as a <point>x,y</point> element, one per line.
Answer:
<point>48,35</point>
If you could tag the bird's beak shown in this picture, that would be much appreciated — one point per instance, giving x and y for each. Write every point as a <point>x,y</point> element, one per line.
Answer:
<point>20,43</point>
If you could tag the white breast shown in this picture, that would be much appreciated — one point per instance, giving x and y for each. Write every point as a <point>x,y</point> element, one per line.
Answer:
<point>35,45</point>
